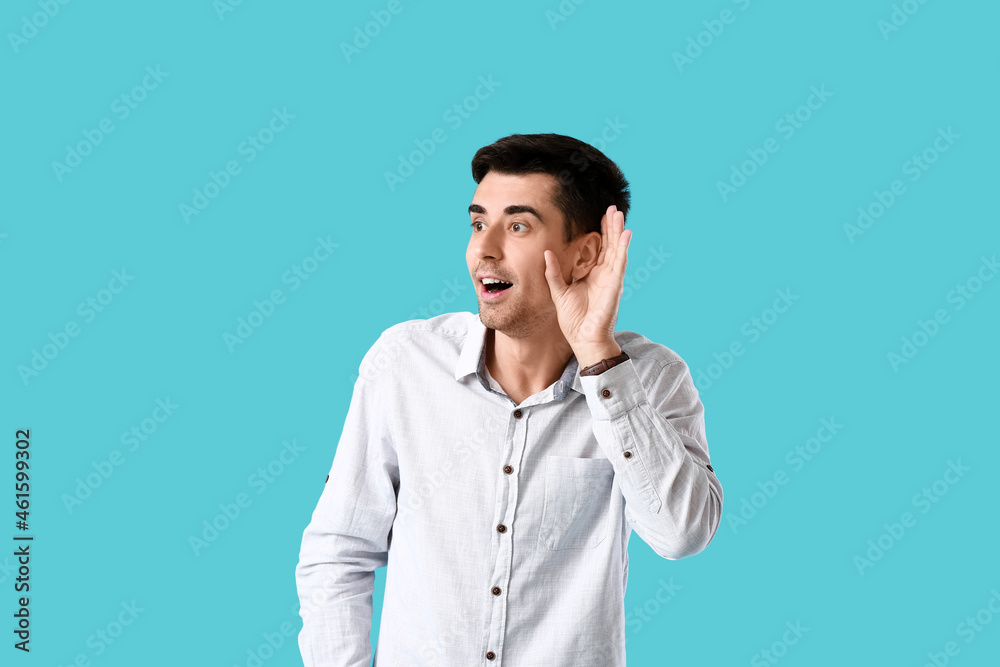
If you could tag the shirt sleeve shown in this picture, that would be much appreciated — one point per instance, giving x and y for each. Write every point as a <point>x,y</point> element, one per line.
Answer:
<point>349,534</point>
<point>653,432</point>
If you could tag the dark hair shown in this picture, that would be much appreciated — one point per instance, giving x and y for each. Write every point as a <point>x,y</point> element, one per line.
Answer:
<point>587,181</point>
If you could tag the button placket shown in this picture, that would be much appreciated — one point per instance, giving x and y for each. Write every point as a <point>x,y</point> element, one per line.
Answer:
<point>507,497</point>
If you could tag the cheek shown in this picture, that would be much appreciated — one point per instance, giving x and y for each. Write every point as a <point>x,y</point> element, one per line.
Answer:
<point>535,275</point>
<point>538,267</point>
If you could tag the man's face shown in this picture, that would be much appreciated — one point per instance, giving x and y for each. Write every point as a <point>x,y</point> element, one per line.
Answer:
<point>514,220</point>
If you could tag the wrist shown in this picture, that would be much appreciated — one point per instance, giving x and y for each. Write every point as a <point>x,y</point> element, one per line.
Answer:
<point>592,354</point>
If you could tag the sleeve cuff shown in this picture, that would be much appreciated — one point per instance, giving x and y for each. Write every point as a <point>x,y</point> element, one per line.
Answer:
<point>614,392</point>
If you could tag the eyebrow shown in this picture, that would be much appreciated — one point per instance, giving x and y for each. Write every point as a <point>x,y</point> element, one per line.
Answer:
<point>510,210</point>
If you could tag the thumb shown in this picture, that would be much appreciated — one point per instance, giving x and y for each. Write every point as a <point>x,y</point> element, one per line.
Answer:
<point>553,275</point>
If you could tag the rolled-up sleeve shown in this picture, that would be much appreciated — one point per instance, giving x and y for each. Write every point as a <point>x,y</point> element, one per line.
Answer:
<point>653,432</point>
<point>349,534</point>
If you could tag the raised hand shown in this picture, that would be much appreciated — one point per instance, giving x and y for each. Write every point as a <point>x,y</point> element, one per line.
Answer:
<point>587,309</point>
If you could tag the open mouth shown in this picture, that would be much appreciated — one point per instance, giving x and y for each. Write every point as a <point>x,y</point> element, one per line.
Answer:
<point>494,286</point>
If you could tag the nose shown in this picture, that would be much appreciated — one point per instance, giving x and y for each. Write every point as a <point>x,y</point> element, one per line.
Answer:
<point>486,243</point>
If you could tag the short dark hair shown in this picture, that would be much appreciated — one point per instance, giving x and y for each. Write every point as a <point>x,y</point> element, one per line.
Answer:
<point>587,181</point>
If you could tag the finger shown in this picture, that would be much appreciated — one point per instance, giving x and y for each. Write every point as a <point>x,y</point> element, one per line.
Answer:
<point>553,275</point>
<point>622,258</point>
<point>605,223</point>
<point>621,231</point>
<point>614,233</point>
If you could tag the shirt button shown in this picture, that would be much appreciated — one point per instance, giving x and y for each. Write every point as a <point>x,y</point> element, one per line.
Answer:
<point>496,590</point>
<point>490,655</point>
<point>627,455</point>
<point>606,393</point>
<point>508,469</point>
<point>501,528</point>
<point>517,414</point>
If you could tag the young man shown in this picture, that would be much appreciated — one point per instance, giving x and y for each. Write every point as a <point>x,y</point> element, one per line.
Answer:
<point>498,463</point>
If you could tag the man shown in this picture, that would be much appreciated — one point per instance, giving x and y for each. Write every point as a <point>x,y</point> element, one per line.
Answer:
<point>497,463</point>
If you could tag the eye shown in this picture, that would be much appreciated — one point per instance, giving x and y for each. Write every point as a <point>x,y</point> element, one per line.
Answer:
<point>473,225</point>
<point>518,224</point>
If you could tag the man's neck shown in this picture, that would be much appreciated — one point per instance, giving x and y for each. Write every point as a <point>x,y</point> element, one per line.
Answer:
<point>525,366</point>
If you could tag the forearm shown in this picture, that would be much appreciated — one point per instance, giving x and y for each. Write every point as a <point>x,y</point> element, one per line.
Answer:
<point>671,496</point>
<point>335,580</point>
<point>348,536</point>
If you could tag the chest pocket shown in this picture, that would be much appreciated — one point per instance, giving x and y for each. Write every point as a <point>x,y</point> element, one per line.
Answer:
<point>577,504</point>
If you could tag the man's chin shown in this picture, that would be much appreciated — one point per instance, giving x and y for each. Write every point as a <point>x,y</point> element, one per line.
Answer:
<point>511,323</point>
<point>494,320</point>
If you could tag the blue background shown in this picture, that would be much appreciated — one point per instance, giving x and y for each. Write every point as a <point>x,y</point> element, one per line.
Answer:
<point>784,554</point>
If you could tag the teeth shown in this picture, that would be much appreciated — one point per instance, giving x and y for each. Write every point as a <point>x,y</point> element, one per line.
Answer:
<point>490,281</point>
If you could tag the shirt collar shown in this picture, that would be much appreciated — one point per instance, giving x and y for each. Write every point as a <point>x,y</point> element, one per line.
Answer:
<point>473,360</point>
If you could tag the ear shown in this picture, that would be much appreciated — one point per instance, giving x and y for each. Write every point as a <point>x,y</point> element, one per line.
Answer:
<point>588,250</point>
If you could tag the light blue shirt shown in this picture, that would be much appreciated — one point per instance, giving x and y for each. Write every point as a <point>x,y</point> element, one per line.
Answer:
<point>504,527</point>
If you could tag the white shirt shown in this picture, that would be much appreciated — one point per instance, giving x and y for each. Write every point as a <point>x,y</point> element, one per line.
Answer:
<point>504,527</point>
